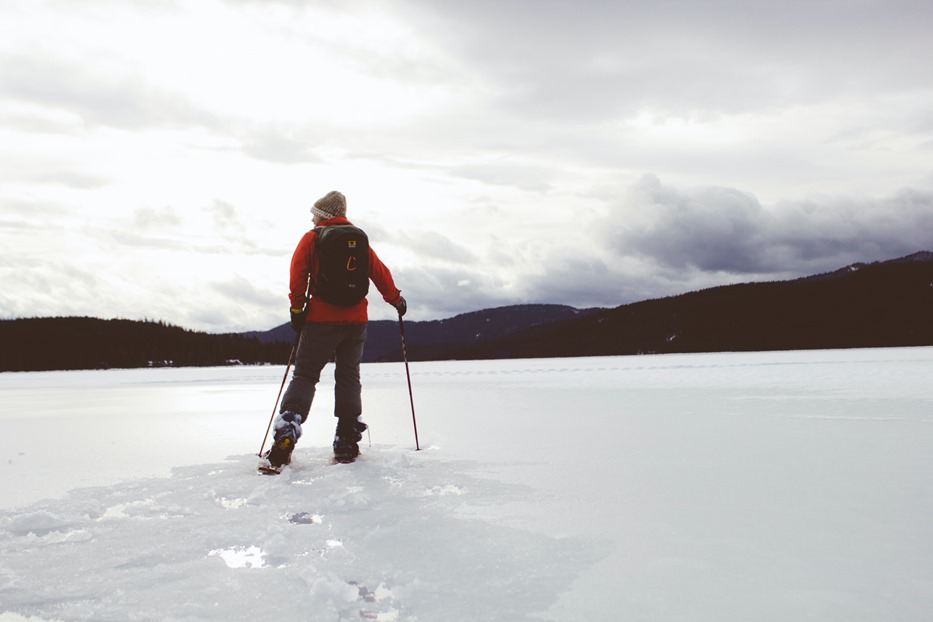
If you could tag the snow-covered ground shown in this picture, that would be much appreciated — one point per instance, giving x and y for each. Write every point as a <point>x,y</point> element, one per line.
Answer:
<point>723,487</point>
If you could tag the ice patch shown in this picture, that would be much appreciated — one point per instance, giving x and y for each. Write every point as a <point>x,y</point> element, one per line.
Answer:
<point>241,557</point>
<point>37,523</point>
<point>443,491</point>
<point>145,509</point>
<point>564,517</point>
<point>232,504</point>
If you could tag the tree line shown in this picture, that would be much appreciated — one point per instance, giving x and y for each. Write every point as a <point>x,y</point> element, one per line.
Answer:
<point>64,343</point>
<point>885,304</point>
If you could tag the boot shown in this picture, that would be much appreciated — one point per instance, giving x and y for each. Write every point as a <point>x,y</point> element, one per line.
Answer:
<point>347,438</point>
<point>287,433</point>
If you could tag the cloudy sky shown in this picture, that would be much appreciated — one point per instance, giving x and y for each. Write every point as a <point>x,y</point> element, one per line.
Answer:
<point>158,158</point>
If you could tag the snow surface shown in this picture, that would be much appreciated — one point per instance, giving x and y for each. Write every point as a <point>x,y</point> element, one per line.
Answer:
<point>723,487</point>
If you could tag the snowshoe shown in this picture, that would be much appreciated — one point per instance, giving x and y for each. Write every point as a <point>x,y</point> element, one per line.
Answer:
<point>281,453</point>
<point>345,451</point>
<point>347,439</point>
<point>267,469</point>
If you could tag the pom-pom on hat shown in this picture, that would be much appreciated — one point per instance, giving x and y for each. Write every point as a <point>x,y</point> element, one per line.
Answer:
<point>330,205</point>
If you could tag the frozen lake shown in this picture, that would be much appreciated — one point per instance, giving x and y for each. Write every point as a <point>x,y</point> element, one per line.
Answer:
<point>747,486</point>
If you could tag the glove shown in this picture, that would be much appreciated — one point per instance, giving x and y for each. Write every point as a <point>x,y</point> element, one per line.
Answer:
<point>401,305</point>
<point>297,319</point>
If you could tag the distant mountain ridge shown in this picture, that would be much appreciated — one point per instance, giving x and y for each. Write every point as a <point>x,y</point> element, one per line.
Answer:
<point>862,305</point>
<point>383,342</point>
<point>887,303</point>
<point>877,304</point>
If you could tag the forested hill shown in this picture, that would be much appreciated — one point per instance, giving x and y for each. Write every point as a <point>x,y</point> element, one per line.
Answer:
<point>37,344</point>
<point>383,342</point>
<point>863,305</point>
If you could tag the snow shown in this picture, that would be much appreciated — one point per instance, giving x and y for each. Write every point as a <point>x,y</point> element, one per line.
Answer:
<point>721,487</point>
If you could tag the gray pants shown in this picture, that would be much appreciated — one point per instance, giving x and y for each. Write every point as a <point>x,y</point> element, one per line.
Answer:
<point>319,344</point>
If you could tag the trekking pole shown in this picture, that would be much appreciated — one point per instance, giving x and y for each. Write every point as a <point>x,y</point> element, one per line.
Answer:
<point>401,326</point>
<point>291,357</point>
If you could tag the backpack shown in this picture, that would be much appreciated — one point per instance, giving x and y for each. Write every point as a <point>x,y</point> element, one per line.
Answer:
<point>343,262</point>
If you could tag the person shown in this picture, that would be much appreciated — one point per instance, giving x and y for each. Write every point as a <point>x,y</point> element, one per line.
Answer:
<point>328,332</point>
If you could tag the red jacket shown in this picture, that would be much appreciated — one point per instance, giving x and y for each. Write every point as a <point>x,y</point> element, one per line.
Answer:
<point>305,264</point>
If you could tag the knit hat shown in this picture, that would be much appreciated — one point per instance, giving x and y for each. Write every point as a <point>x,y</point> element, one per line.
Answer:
<point>330,205</point>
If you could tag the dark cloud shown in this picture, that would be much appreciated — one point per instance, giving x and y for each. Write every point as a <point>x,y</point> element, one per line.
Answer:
<point>845,229</point>
<point>570,278</point>
<point>662,240</point>
<point>724,230</point>
<point>440,291</point>
<point>596,282</point>
<point>714,229</point>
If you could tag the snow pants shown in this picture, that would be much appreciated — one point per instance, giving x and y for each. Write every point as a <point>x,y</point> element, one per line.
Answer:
<point>320,343</point>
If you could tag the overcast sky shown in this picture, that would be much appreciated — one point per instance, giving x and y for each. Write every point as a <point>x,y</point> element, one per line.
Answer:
<point>158,158</point>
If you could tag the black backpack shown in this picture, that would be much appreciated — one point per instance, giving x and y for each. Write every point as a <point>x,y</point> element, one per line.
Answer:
<point>343,261</point>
